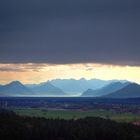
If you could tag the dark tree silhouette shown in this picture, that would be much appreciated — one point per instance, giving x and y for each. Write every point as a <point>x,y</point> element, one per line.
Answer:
<point>17,127</point>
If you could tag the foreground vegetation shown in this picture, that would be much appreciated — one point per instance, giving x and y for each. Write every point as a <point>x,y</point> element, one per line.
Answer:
<point>63,114</point>
<point>13,126</point>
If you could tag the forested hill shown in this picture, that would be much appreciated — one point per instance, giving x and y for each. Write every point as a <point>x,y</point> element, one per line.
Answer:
<point>27,128</point>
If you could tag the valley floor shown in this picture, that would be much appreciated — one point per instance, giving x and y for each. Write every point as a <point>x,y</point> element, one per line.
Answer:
<point>69,114</point>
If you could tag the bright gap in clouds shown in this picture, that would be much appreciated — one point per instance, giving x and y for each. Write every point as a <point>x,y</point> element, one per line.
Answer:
<point>36,73</point>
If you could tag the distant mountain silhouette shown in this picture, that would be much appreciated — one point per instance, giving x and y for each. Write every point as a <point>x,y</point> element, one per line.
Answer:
<point>105,90</point>
<point>14,88</point>
<point>130,91</point>
<point>79,86</point>
<point>47,89</point>
<point>111,88</point>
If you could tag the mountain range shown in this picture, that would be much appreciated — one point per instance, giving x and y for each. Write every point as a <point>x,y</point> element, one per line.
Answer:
<point>81,85</point>
<point>114,86</point>
<point>47,89</point>
<point>67,88</point>
<point>16,88</point>
<point>130,91</point>
<point>115,90</point>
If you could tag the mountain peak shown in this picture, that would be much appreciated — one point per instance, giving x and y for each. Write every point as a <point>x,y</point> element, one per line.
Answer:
<point>15,82</point>
<point>15,88</point>
<point>48,83</point>
<point>133,84</point>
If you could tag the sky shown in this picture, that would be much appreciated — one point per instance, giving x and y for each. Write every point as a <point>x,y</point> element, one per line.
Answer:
<point>48,39</point>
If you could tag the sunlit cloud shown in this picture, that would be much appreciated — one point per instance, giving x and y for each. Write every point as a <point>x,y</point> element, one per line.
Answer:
<point>21,67</point>
<point>36,73</point>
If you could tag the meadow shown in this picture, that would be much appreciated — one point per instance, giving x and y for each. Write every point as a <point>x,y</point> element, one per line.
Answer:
<point>68,114</point>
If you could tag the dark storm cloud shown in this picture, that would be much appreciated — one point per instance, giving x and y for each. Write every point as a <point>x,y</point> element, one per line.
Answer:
<point>74,31</point>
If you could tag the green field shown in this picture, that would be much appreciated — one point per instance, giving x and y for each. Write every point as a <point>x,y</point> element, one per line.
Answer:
<point>120,117</point>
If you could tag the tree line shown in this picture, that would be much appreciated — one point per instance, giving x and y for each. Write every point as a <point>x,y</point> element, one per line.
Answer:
<point>17,127</point>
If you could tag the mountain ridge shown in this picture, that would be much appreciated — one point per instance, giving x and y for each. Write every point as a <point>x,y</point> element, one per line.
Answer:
<point>105,90</point>
<point>81,85</point>
<point>16,88</point>
<point>47,88</point>
<point>117,87</point>
<point>130,91</point>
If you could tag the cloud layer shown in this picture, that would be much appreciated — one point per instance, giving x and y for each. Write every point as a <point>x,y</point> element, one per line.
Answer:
<point>64,32</point>
<point>36,73</point>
